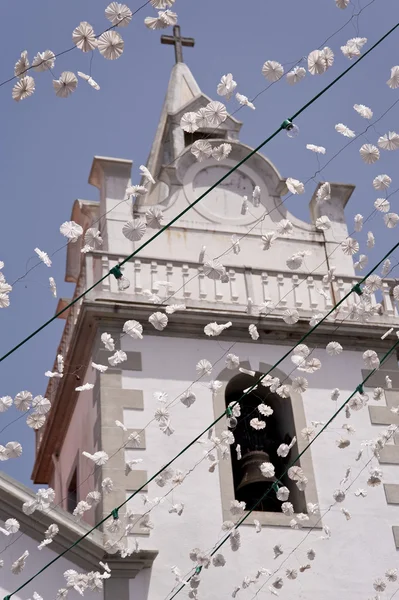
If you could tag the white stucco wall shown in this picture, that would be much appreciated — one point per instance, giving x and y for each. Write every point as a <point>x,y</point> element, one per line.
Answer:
<point>360,549</point>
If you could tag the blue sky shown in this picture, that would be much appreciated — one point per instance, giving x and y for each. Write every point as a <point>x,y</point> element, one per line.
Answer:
<point>47,143</point>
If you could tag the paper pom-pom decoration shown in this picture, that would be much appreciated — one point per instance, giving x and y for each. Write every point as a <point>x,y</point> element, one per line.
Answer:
<point>165,19</point>
<point>22,64</point>
<point>391,220</point>
<point>295,186</point>
<point>134,230</point>
<point>390,141</point>
<point>382,205</point>
<point>118,14</point>
<point>316,149</point>
<point>65,85</point>
<point>369,153</point>
<point>23,400</point>
<point>363,111</point>
<point>272,70</point>
<point>350,246</point>
<point>158,320</point>
<point>226,86</point>
<point>24,88</point>
<point>382,182</point>
<point>43,61</point>
<point>188,122</point>
<point>334,348</point>
<point>323,223</point>
<point>296,75</point>
<point>89,80</point>
<point>134,329</point>
<point>110,45</point>
<point>203,367</point>
<point>84,38</point>
<point>215,113</point>
<point>71,230</point>
<point>344,130</point>
<point>291,316</point>
<point>201,149</point>
<point>393,82</point>
<point>221,152</point>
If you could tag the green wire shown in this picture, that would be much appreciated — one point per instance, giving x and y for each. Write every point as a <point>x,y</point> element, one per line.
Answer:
<point>115,511</point>
<point>355,289</point>
<point>190,206</point>
<point>266,494</point>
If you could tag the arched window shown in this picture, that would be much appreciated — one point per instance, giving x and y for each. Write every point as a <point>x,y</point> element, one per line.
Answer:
<point>242,479</point>
<point>259,446</point>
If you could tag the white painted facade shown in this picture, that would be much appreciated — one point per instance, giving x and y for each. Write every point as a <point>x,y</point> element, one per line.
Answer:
<point>360,549</point>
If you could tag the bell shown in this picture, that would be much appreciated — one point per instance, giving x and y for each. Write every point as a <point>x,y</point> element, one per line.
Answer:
<point>253,485</point>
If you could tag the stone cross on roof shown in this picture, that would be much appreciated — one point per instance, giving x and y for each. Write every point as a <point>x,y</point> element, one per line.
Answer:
<point>178,42</point>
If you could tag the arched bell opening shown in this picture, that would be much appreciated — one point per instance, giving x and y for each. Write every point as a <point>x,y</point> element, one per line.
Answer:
<point>259,446</point>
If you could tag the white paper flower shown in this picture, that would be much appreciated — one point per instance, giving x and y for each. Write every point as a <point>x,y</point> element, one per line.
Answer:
<point>117,358</point>
<point>393,81</point>
<point>41,405</point>
<point>118,14</point>
<point>334,348</point>
<point>272,70</point>
<point>323,223</point>
<point>389,141</point>
<point>317,64</point>
<point>24,88</point>
<point>371,359</point>
<point>226,86</point>
<point>344,130</point>
<point>244,101</point>
<point>369,153</point>
<point>295,75</point>
<point>65,85</point>
<point>373,283</point>
<point>134,329</point>
<point>43,257</point>
<point>162,3</point>
<point>154,217</point>
<point>342,3</point>
<point>43,61</point>
<point>215,329</point>
<point>232,361</point>
<point>316,149</point>
<point>204,367</point>
<point>382,182</point>
<point>35,421</point>
<point>23,400</point>
<point>201,149</point>
<point>324,192</point>
<point>291,316</point>
<point>295,186</point>
<point>18,565</point>
<point>188,398</point>
<point>108,341</point>
<point>363,111</point>
<point>267,469</point>
<point>22,64</point>
<point>350,246</point>
<point>391,220</point>
<point>5,403</point>
<point>84,38</point>
<point>188,122</point>
<point>165,19</point>
<point>99,458</point>
<point>215,113</point>
<point>85,387</point>
<point>158,320</point>
<point>213,269</point>
<point>300,384</point>
<point>71,230</point>
<point>134,230</point>
<point>257,424</point>
<point>268,238</point>
<point>110,44</point>
<point>13,449</point>
<point>253,332</point>
<point>89,80</point>
<point>382,205</point>
<point>284,227</point>
<point>221,152</point>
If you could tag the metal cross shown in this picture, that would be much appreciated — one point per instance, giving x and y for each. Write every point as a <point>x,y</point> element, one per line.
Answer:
<point>178,42</point>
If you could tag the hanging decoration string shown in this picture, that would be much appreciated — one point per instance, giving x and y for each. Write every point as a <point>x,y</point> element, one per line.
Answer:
<point>287,125</point>
<point>356,289</point>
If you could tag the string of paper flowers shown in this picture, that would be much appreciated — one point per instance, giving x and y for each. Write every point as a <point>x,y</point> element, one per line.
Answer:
<point>355,401</point>
<point>278,551</point>
<point>371,361</point>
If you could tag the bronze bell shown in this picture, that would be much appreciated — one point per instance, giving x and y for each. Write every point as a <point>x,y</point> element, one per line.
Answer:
<point>250,468</point>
